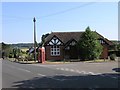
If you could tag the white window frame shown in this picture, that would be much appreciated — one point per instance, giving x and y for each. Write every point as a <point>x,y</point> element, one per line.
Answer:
<point>55,41</point>
<point>55,50</point>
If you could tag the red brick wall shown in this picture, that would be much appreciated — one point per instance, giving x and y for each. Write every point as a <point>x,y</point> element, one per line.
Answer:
<point>48,54</point>
<point>61,57</point>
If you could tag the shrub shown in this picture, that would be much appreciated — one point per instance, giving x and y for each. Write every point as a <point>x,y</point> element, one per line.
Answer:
<point>112,57</point>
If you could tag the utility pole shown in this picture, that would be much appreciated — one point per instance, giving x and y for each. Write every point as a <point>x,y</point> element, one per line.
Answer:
<point>34,20</point>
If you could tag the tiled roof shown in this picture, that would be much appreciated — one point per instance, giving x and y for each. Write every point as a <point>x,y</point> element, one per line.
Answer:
<point>66,36</point>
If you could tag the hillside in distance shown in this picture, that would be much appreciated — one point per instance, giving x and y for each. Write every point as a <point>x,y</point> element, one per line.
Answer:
<point>23,45</point>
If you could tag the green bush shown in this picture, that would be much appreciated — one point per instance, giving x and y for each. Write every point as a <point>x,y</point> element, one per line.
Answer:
<point>112,57</point>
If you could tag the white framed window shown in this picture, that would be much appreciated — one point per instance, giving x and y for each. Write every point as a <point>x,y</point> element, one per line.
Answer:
<point>55,50</point>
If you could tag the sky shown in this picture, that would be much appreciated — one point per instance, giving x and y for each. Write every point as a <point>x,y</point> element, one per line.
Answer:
<point>17,19</point>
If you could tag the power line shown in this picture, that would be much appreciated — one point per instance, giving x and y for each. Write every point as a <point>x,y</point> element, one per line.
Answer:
<point>49,15</point>
<point>67,10</point>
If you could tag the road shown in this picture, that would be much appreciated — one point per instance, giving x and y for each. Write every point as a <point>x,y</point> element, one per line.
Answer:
<point>71,75</point>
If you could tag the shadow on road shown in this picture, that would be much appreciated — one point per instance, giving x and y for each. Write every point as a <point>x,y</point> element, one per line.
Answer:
<point>77,82</point>
<point>116,69</point>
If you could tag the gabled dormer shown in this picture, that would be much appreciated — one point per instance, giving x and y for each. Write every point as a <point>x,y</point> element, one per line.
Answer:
<point>70,43</point>
<point>55,41</point>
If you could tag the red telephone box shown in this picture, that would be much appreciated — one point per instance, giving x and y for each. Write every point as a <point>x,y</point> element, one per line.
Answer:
<point>41,55</point>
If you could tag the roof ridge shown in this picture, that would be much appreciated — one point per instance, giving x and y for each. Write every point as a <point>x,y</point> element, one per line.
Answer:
<point>69,32</point>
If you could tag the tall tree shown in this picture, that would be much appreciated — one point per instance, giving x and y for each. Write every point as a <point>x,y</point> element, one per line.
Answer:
<point>89,46</point>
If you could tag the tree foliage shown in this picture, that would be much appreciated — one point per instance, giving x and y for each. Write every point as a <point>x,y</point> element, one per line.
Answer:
<point>89,46</point>
<point>6,48</point>
<point>43,39</point>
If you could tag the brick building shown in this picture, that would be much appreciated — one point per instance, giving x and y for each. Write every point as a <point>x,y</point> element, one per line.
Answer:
<point>61,45</point>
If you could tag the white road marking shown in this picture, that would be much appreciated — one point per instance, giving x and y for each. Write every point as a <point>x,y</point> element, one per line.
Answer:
<point>61,79</point>
<point>27,71</point>
<point>54,65</point>
<point>58,68</point>
<point>71,70</point>
<point>24,70</point>
<point>41,74</point>
<point>61,75</point>
<point>91,73</point>
<point>66,69</point>
<point>19,68</point>
<point>55,79</point>
<point>77,71</point>
<point>62,68</point>
<point>83,72</point>
<point>98,73</point>
<point>80,72</point>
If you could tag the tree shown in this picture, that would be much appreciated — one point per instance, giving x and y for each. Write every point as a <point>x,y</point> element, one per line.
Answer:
<point>6,48</point>
<point>43,39</point>
<point>89,46</point>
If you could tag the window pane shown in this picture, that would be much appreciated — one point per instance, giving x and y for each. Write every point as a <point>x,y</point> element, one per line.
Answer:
<point>58,53</point>
<point>57,46</point>
<point>51,53</point>
<point>55,50</point>
<point>51,46</point>
<point>58,49</point>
